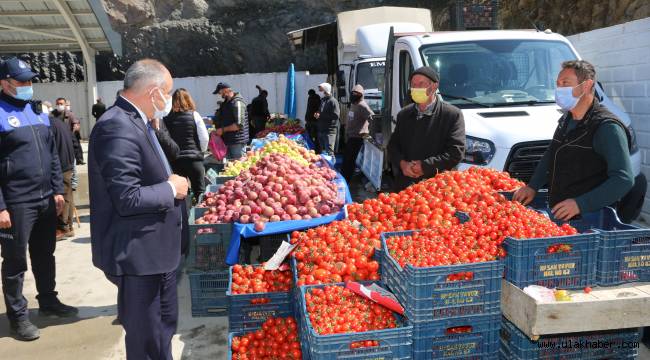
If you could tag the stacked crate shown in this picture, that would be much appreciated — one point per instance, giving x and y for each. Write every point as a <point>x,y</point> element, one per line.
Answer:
<point>454,310</point>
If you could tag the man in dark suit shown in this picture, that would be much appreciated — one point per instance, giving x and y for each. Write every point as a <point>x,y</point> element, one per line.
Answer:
<point>136,204</point>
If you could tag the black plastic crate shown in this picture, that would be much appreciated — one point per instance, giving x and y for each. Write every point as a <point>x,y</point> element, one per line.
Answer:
<point>429,294</point>
<point>621,344</point>
<point>208,293</point>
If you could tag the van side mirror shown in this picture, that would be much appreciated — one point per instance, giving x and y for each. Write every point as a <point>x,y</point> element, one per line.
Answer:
<point>340,78</point>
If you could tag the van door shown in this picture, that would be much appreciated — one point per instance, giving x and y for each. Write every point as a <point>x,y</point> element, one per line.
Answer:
<point>401,86</point>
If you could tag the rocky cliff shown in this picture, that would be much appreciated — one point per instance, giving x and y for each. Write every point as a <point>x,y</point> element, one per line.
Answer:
<point>210,37</point>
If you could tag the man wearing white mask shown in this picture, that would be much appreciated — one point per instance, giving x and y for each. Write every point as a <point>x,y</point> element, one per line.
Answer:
<point>429,136</point>
<point>587,166</point>
<point>136,205</point>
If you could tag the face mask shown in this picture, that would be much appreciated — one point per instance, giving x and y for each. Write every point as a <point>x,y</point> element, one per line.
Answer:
<point>159,114</point>
<point>564,97</point>
<point>355,98</point>
<point>67,107</point>
<point>24,93</point>
<point>419,95</point>
<point>60,108</point>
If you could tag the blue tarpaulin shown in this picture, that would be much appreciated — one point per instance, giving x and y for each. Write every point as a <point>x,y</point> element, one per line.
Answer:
<point>248,230</point>
<point>290,95</point>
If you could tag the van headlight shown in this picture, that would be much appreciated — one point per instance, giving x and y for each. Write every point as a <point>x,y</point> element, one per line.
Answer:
<point>634,147</point>
<point>478,151</point>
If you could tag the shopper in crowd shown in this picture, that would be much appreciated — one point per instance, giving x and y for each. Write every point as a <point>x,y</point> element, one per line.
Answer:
<point>65,149</point>
<point>327,119</point>
<point>429,136</point>
<point>31,196</point>
<point>98,109</point>
<point>357,126</point>
<point>61,113</point>
<point>76,132</point>
<point>232,121</point>
<point>136,204</point>
<point>187,129</point>
<point>587,166</point>
<point>46,107</point>
<point>313,106</point>
<point>260,111</point>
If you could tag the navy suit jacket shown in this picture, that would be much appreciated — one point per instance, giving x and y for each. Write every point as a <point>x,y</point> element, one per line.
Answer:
<point>135,222</point>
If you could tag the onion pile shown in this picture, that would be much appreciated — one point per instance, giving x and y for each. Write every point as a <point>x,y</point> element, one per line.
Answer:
<point>277,188</point>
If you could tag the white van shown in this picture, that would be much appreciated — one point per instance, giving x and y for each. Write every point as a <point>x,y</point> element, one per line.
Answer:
<point>504,83</point>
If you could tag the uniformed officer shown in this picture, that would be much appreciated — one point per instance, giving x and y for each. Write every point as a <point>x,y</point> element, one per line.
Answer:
<point>31,195</point>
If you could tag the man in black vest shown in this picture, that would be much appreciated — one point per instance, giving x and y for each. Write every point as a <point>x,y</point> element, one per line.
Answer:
<point>232,121</point>
<point>587,166</point>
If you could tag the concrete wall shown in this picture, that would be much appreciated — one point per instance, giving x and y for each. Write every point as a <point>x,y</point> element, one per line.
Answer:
<point>200,88</point>
<point>621,54</point>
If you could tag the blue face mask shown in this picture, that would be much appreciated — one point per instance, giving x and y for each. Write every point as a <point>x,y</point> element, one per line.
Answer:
<point>564,97</point>
<point>24,93</point>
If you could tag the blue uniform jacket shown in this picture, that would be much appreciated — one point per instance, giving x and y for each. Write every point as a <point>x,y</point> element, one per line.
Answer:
<point>29,164</point>
<point>135,222</point>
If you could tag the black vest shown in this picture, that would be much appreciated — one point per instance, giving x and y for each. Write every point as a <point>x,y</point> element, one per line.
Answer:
<point>227,116</point>
<point>574,167</point>
<point>182,128</point>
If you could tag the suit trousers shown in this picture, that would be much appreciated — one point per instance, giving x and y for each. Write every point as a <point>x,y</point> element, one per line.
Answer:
<point>67,217</point>
<point>33,225</point>
<point>147,307</point>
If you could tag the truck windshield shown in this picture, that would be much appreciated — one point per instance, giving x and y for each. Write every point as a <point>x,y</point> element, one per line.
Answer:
<point>498,72</point>
<point>370,75</point>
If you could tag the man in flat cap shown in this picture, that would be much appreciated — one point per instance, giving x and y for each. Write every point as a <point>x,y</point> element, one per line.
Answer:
<point>429,136</point>
<point>231,121</point>
<point>31,196</point>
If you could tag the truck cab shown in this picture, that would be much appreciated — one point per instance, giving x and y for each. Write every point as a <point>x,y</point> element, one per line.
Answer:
<point>502,80</point>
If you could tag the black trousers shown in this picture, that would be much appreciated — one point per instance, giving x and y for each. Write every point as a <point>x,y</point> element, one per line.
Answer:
<point>76,145</point>
<point>147,307</point>
<point>352,148</point>
<point>33,225</point>
<point>312,131</point>
<point>195,171</point>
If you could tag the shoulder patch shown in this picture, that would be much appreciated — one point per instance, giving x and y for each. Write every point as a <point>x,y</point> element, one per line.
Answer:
<point>13,121</point>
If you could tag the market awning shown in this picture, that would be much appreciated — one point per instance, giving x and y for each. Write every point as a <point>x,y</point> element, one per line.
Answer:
<point>56,25</point>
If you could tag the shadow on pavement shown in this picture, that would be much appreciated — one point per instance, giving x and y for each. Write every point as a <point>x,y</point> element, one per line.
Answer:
<point>83,240</point>
<point>85,313</point>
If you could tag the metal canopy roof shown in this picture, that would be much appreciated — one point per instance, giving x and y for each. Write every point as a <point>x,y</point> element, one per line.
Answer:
<point>56,25</point>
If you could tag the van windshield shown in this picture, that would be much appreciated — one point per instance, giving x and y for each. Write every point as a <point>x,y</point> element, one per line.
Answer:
<point>370,75</point>
<point>497,72</point>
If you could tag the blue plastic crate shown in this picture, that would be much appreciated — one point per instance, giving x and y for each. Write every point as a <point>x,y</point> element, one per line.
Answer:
<point>426,293</point>
<point>393,343</point>
<point>565,346</point>
<point>208,291</point>
<point>208,243</point>
<point>244,315</point>
<point>434,340</point>
<point>528,261</point>
<point>540,201</point>
<point>624,251</point>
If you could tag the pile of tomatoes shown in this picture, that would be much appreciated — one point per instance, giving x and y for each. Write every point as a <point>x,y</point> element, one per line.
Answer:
<point>250,279</point>
<point>344,250</point>
<point>277,339</point>
<point>335,309</point>
<point>338,252</point>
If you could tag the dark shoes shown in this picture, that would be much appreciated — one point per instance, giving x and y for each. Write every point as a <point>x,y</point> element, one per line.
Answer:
<point>24,330</point>
<point>59,310</point>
